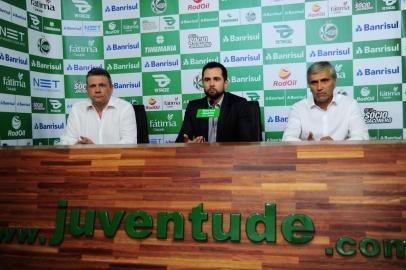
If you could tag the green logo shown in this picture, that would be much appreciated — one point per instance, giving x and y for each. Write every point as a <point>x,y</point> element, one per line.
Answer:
<point>295,95</point>
<point>388,5</point>
<point>123,65</point>
<point>366,93</point>
<point>120,27</point>
<point>55,105</point>
<point>83,47</point>
<point>275,136</point>
<point>188,97</point>
<point>161,83</point>
<point>84,10</point>
<point>329,30</point>
<point>198,60</point>
<point>151,8</point>
<point>390,92</point>
<point>199,20</point>
<point>253,96</point>
<point>163,43</point>
<point>275,98</point>
<point>232,4</point>
<point>285,55</point>
<point>15,126</point>
<point>46,65</point>
<point>364,6</point>
<point>377,48</point>
<point>13,36</point>
<point>247,78</point>
<point>164,122</point>
<point>14,81</point>
<point>38,105</point>
<point>75,86</point>
<point>240,37</point>
<point>344,71</point>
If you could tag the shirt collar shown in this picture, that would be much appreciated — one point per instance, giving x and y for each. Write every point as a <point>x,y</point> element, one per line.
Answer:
<point>334,101</point>
<point>218,103</point>
<point>112,103</point>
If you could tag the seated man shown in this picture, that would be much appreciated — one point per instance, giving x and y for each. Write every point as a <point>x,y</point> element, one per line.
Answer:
<point>101,119</point>
<point>325,115</point>
<point>231,125</point>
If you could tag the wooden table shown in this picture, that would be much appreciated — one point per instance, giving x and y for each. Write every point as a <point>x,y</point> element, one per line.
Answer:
<point>354,193</point>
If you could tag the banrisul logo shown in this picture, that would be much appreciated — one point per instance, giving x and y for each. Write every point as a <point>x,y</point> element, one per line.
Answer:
<point>378,71</point>
<point>241,37</point>
<point>83,47</point>
<point>124,65</point>
<point>123,7</point>
<point>334,51</point>
<point>13,36</point>
<point>249,77</point>
<point>46,65</point>
<point>197,60</point>
<point>285,55</point>
<point>164,122</point>
<point>160,44</point>
<point>377,48</point>
<point>366,27</point>
<point>14,81</point>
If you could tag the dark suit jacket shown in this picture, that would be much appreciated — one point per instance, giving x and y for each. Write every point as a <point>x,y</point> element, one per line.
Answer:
<point>233,124</point>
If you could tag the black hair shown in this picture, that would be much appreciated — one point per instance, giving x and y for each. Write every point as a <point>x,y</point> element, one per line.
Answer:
<point>216,65</point>
<point>99,72</point>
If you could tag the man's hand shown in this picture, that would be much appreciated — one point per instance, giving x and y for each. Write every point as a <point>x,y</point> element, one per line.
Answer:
<point>199,139</point>
<point>327,138</point>
<point>84,140</point>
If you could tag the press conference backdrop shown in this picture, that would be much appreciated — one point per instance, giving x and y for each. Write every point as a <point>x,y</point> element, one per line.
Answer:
<point>155,50</point>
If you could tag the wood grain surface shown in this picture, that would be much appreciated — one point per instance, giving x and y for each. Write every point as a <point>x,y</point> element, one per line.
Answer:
<point>348,190</point>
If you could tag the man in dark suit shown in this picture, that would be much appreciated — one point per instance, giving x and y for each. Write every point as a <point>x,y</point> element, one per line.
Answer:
<point>233,122</point>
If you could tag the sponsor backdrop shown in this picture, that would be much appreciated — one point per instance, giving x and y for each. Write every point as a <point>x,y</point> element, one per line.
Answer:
<point>155,50</point>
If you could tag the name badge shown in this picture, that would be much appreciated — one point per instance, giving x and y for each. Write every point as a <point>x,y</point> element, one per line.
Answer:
<point>205,113</point>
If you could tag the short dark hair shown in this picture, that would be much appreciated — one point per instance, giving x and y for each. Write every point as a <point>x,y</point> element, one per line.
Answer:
<point>99,72</point>
<point>320,66</point>
<point>216,65</point>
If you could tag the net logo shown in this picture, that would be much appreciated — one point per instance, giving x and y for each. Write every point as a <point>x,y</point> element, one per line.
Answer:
<point>198,82</point>
<point>115,8</point>
<point>11,34</point>
<point>34,19</point>
<point>328,32</point>
<point>45,83</point>
<point>196,41</point>
<point>82,5</point>
<point>383,71</point>
<point>198,6</point>
<point>158,6</point>
<point>161,80</point>
<point>372,116</point>
<point>41,5</point>
<point>16,124</point>
<point>79,87</point>
<point>43,45</point>
<point>374,27</point>
<point>12,83</point>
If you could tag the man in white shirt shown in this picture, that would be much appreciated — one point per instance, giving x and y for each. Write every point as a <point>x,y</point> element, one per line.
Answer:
<point>101,119</point>
<point>325,116</point>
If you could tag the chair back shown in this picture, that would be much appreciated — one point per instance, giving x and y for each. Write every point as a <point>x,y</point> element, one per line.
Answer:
<point>142,124</point>
<point>255,114</point>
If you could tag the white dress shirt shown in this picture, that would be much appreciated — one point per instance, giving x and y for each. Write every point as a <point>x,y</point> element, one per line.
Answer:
<point>341,121</point>
<point>117,124</point>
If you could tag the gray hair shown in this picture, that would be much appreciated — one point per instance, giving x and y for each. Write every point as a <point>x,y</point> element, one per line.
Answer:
<point>321,66</point>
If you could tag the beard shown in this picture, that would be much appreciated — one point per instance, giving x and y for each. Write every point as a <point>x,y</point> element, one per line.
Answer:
<point>213,94</point>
